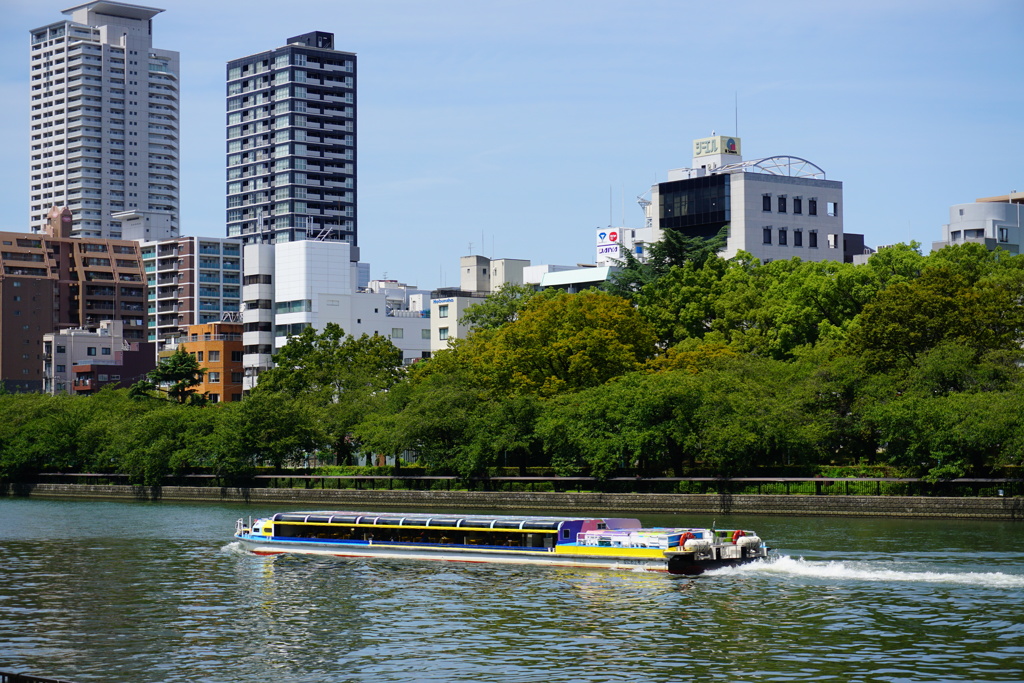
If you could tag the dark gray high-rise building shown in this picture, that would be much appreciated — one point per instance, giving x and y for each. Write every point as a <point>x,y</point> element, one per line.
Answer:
<point>291,150</point>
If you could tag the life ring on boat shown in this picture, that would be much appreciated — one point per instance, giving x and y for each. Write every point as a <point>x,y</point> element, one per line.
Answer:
<point>737,535</point>
<point>684,538</point>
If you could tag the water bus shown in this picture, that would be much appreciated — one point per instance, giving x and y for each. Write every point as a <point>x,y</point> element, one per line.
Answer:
<point>611,543</point>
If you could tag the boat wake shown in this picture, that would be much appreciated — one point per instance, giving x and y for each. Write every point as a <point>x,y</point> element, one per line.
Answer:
<point>857,571</point>
<point>235,548</point>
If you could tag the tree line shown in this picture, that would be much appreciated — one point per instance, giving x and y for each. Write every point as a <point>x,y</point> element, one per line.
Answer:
<point>686,364</point>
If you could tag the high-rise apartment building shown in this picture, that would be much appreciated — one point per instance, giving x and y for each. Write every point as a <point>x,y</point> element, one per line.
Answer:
<point>291,154</point>
<point>104,123</point>
<point>190,281</point>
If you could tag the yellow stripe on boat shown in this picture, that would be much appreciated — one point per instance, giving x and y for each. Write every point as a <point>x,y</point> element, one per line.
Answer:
<point>608,551</point>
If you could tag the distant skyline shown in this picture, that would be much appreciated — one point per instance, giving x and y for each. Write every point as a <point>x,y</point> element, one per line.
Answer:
<point>519,127</point>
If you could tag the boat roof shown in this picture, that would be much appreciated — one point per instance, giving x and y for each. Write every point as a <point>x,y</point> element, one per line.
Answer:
<point>538,522</point>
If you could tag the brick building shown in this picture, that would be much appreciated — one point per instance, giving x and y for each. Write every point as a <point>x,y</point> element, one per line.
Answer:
<point>52,282</point>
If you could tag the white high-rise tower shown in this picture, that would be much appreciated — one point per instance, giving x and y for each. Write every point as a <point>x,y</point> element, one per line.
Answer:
<point>104,116</point>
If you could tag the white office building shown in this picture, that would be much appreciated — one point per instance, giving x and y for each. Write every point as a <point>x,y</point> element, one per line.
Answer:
<point>479,277</point>
<point>775,207</point>
<point>104,123</point>
<point>994,222</point>
<point>290,286</point>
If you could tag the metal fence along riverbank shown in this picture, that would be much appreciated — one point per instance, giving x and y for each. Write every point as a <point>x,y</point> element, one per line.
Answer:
<point>822,497</point>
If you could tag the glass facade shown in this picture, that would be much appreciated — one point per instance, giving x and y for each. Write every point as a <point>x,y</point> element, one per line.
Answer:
<point>696,206</point>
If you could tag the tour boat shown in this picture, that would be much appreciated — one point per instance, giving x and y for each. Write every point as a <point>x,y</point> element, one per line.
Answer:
<point>610,543</point>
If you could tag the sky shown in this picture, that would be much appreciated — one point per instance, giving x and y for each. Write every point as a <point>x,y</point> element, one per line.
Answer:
<point>514,128</point>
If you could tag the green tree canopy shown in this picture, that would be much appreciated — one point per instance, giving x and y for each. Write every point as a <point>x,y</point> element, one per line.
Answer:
<point>176,377</point>
<point>345,377</point>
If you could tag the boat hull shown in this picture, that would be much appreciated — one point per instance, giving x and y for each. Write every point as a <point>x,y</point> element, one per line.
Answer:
<point>540,557</point>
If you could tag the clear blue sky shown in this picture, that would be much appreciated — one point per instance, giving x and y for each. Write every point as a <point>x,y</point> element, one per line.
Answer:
<point>519,126</point>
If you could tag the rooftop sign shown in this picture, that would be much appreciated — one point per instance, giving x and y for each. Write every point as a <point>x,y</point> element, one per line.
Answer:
<point>716,144</point>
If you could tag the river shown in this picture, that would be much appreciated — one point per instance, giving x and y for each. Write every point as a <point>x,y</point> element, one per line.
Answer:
<point>158,592</point>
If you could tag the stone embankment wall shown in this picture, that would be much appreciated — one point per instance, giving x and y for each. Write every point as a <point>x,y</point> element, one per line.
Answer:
<point>568,503</point>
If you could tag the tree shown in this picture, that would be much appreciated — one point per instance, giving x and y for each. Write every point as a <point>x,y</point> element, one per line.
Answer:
<point>346,377</point>
<point>501,307</point>
<point>953,299</point>
<point>267,428</point>
<point>640,422</point>
<point>566,342</point>
<point>675,249</point>
<point>430,413</point>
<point>176,376</point>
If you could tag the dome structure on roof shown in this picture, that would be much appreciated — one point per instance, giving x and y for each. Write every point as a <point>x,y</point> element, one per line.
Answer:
<point>784,165</point>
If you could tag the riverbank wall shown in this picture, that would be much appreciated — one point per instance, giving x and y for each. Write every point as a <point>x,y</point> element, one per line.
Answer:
<point>993,508</point>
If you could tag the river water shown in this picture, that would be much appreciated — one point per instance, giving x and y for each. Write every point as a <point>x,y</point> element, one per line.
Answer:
<point>157,592</point>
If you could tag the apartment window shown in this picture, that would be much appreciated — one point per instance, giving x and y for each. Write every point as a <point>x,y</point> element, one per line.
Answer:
<point>397,333</point>
<point>833,208</point>
<point>766,235</point>
<point>766,202</point>
<point>812,239</point>
<point>213,377</point>
<point>61,368</point>
<point>236,377</point>
<point>812,207</point>
<point>782,203</point>
<point>442,334</point>
<point>61,349</point>
<point>236,356</point>
<point>214,357</point>
<point>199,356</point>
<point>442,311</point>
<point>1004,234</point>
<point>425,334</point>
<point>782,237</point>
<point>798,205</point>
<point>833,241</point>
<point>798,238</point>
<point>214,398</point>
<point>104,351</point>
<point>90,351</point>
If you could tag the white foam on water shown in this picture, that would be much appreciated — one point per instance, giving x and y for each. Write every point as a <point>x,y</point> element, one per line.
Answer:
<point>862,571</point>
<point>235,548</point>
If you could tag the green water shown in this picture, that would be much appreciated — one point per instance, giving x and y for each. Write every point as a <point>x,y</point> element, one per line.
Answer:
<point>140,592</point>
